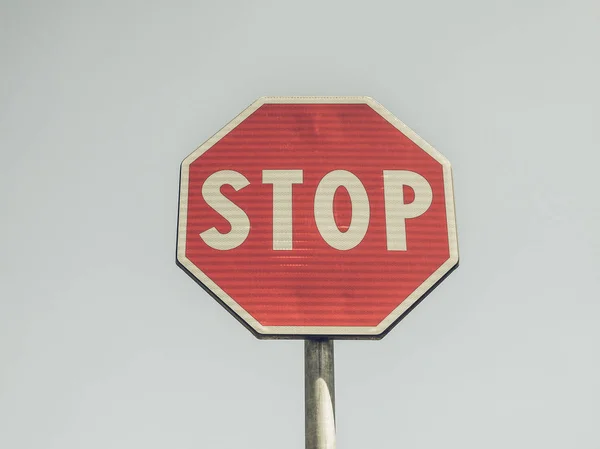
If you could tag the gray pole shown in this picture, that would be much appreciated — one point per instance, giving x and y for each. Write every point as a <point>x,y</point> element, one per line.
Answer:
<point>319,394</point>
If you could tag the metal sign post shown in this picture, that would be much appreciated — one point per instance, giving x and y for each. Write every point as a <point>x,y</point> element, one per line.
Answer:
<point>319,394</point>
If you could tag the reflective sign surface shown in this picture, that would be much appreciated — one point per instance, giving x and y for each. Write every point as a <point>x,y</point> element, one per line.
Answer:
<point>317,216</point>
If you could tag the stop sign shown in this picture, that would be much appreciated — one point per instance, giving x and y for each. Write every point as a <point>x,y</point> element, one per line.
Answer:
<point>311,216</point>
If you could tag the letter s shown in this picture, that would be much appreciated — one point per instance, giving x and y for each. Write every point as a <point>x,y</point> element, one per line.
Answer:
<point>240,224</point>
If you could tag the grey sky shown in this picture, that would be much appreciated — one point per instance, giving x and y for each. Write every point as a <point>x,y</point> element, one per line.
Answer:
<point>105,343</point>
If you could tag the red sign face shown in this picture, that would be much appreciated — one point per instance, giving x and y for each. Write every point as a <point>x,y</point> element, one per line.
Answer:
<point>317,216</point>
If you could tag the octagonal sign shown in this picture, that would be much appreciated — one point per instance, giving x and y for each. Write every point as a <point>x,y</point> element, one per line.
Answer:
<point>317,216</point>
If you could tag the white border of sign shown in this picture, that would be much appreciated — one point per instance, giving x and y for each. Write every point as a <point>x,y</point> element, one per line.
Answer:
<point>325,331</point>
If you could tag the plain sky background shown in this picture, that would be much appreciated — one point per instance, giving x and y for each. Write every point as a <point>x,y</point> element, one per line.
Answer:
<point>105,343</point>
